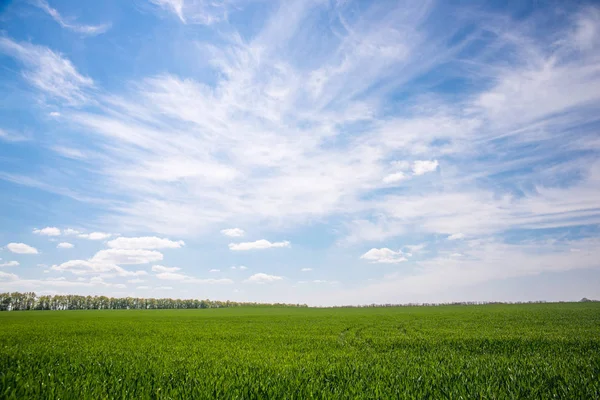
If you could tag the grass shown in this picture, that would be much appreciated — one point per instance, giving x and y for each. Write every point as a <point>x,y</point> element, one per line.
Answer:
<point>493,351</point>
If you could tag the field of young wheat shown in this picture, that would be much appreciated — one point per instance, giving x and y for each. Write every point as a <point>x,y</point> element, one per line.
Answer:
<point>493,351</point>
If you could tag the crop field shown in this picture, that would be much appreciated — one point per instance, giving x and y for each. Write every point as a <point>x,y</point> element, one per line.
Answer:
<point>493,351</point>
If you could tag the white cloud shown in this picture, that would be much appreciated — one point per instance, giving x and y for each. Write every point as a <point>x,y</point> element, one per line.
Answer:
<point>422,167</point>
<point>161,268</point>
<point>195,11</point>
<point>384,256</point>
<point>21,248</point>
<point>395,177</point>
<point>214,270</point>
<point>242,268</point>
<point>95,235</point>
<point>233,232</point>
<point>257,245</point>
<point>48,71</point>
<point>54,114</point>
<point>136,280</point>
<point>142,287</point>
<point>65,245</point>
<point>10,264</point>
<point>306,269</point>
<point>173,276</point>
<point>127,256</point>
<point>69,152</point>
<point>69,232</point>
<point>263,278</point>
<point>10,136</point>
<point>146,242</point>
<point>83,29</point>
<point>415,248</point>
<point>5,276</point>
<point>48,231</point>
<point>93,266</point>
<point>456,236</point>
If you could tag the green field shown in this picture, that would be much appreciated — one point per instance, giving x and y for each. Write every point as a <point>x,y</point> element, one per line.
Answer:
<point>493,351</point>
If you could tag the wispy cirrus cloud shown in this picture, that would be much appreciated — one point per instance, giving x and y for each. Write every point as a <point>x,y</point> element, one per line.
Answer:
<point>48,71</point>
<point>91,30</point>
<point>205,12</point>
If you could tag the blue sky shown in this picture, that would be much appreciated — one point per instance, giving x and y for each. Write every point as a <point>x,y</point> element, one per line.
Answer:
<point>323,152</point>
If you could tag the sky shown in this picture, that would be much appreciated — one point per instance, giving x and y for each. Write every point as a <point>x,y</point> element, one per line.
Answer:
<point>324,152</point>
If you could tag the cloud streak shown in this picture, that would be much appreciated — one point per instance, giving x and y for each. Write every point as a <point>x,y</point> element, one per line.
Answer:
<point>90,30</point>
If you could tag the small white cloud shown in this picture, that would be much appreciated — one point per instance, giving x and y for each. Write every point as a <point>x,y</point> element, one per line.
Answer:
<point>257,245</point>
<point>10,264</point>
<point>233,232</point>
<point>161,268</point>
<point>54,114</point>
<point>21,248</point>
<point>415,248</point>
<point>306,269</point>
<point>145,242</point>
<point>263,278</point>
<point>47,231</point>
<point>214,270</point>
<point>395,177</point>
<point>69,232</point>
<point>164,287</point>
<point>64,245</point>
<point>127,256</point>
<point>142,287</point>
<point>42,265</point>
<point>384,256</point>
<point>136,280</point>
<point>241,268</point>
<point>456,236</point>
<point>421,167</point>
<point>173,276</point>
<point>95,235</point>
<point>62,278</point>
<point>456,255</point>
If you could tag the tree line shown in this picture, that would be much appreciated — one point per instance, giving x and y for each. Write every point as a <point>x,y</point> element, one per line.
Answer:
<point>30,301</point>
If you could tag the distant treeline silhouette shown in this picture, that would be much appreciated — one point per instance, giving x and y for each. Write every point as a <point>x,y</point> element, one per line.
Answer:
<point>30,301</point>
<point>459,303</point>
